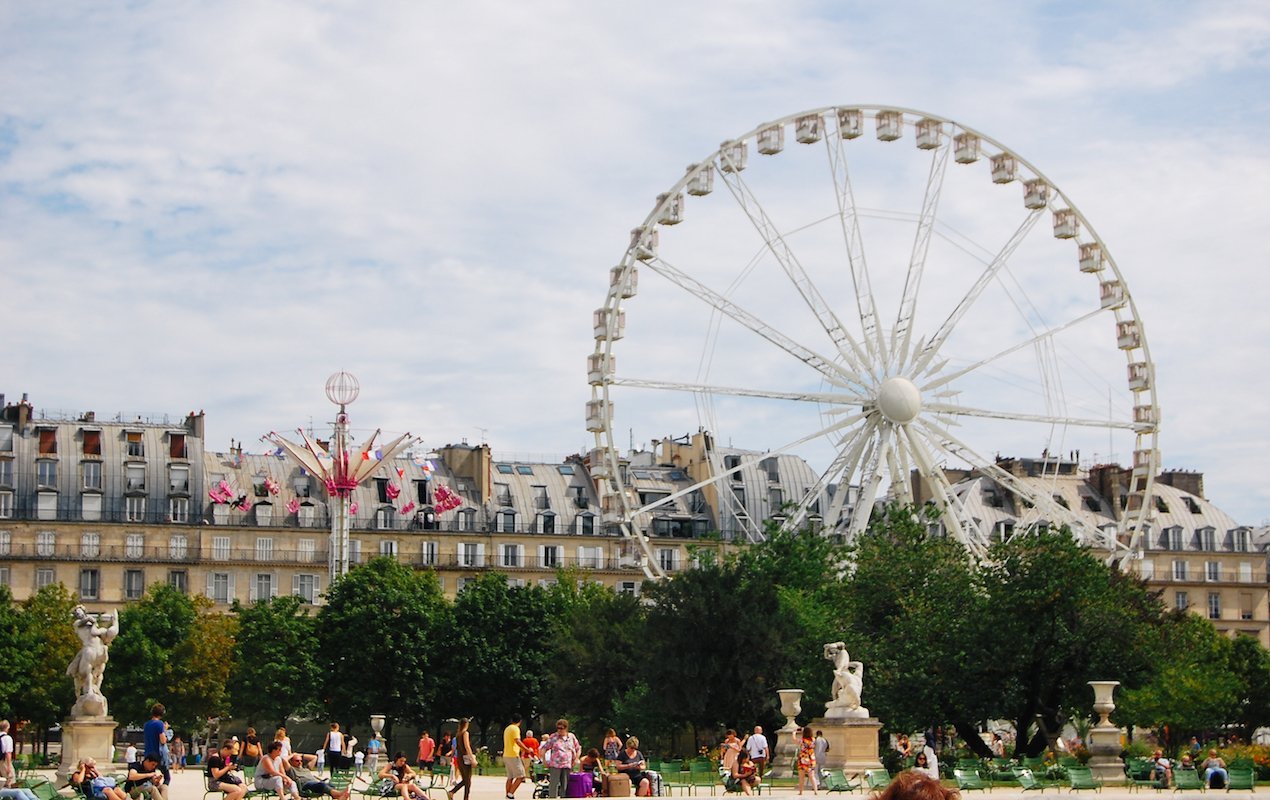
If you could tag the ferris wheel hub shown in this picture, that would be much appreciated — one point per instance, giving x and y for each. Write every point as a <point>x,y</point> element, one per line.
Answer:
<point>899,400</point>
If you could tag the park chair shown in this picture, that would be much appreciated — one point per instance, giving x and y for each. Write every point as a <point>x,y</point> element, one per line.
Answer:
<point>439,779</point>
<point>1137,773</point>
<point>968,780</point>
<point>1187,780</point>
<point>1001,771</point>
<point>1240,778</point>
<point>1079,777</point>
<point>1027,780</point>
<point>674,775</point>
<point>701,774</point>
<point>41,788</point>
<point>877,779</point>
<point>836,781</point>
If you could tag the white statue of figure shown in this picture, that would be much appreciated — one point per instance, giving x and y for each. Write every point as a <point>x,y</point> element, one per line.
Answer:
<point>95,632</point>
<point>848,680</point>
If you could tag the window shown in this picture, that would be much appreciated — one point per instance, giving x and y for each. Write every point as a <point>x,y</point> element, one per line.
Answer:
<point>178,546</point>
<point>666,559</point>
<point>521,469</point>
<point>1245,605</point>
<point>565,469</point>
<point>6,543</point>
<point>1179,570</point>
<point>1146,570</point>
<point>179,509</point>
<point>263,586</point>
<point>1245,572</point>
<point>504,469</point>
<point>264,513</point>
<point>45,543</point>
<point>176,446</point>
<point>507,521</point>
<point>220,586</point>
<point>92,474</point>
<point>467,519</point>
<point>586,524</point>
<point>179,579</point>
<point>305,587</point>
<point>428,554</point>
<point>220,548</point>
<point>578,493</point>
<point>46,505</point>
<point>6,505</point>
<point>306,551</point>
<point>385,518</point>
<point>134,584</point>
<point>628,587</point>
<point>90,507</point>
<point>135,447</point>
<point>90,545</point>
<point>550,557</point>
<point>264,548</point>
<point>1207,539</point>
<point>388,547</point>
<point>471,554</point>
<point>1212,571</point>
<point>1181,601</point>
<point>89,583</point>
<point>423,492</point>
<point>43,577</point>
<point>733,463</point>
<point>135,545</point>
<point>511,555</point>
<point>134,509</point>
<point>541,501</point>
<point>547,523</point>
<point>46,473</point>
<point>462,583</point>
<point>381,490</point>
<point>738,492</point>
<point>1239,540</point>
<point>48,441</point>
<point>6,472</point>
<point>4,576</point>
<point>178,479</point>
<point>306,517</point>
<point>503,494</point>
<point>355,551</point>
<point>775,499</point>
<point>1214,605</point>
<point>92,443</point>
<point>6,439</point>
<point>591,557</point>
<point>135,477</point>
<point>302,486</point>
<point>1172,539</point>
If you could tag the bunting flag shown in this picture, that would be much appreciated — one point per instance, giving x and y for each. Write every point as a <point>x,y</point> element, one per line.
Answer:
<point>408,507</point>
<point>401,473</point>
<point>392,490</point>
<point>293,506</point>
<point>352,508</point>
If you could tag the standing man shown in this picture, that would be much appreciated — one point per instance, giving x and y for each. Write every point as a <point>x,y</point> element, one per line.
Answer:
<point>822,757</point>
<point>373,747</point>
<point>156,739</point>
<point>6,753</point>
<point>756,746</point>
<point>427,746</point>
<point>512,744</point>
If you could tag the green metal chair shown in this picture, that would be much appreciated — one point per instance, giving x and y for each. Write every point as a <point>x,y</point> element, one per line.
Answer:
<point>1241,778</point>
<point>1027,780</point>
<point>877,779</point>
<point>1079,778</point>
<point>969,780</point>
<point>837,781</point>
<point>1187,780</point>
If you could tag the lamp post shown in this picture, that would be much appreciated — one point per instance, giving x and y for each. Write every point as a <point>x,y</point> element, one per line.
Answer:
<point>340,470</point>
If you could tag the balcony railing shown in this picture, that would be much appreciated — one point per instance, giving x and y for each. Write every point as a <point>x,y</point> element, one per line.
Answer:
<point>160,554</point>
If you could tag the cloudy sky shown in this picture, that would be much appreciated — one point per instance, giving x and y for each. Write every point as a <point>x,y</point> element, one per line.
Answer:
<point>216,205</point>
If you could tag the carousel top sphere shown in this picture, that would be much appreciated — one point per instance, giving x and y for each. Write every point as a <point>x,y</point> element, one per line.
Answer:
<point>342,388</point>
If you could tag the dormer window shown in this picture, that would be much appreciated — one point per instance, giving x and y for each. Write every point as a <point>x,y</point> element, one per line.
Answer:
<point>48,441</point>
<point>135,446</point>
<point>92,443</point>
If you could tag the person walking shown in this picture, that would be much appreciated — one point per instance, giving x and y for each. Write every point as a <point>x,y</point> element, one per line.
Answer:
<point>756,746</point>
<point>512,763</point>
<point>806,761</point>
<point>561,752</point>
<point>333,744</point>
<point>466,760</point>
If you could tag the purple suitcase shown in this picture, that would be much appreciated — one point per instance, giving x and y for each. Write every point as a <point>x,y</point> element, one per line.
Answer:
<point>579,785</point>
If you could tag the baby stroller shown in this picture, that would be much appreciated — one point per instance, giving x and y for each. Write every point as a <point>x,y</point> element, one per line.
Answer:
<point>539,775</point>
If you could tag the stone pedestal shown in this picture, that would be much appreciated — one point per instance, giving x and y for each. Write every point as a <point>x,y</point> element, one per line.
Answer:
<point>91,736</point>
<point>853,743</point>
<point>1104,754</point>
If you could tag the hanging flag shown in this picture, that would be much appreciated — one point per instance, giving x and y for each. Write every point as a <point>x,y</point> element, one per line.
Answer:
<point>401,473</point>
<point>293,506</point>
<point>379,455</point>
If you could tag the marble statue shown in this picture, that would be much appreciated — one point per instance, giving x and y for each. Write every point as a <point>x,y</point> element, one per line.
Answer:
<point>848,680</point>
<point>96,632</point>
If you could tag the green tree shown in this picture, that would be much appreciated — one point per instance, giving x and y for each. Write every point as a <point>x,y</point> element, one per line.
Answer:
<point>276,673</point>
<point>201,669</point>
<point>380,641</point>
<point>17,654</point>
<point>46,615</point>
<point>1250,662</point>
<point>498,639</point>
<point>143,655</point>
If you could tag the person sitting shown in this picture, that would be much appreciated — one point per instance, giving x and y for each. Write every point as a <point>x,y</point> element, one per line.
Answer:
<point>271,773</point>
<point>744,777</point>
<point>922,765</point>
<point>913,785</point>
<point>222,776</point>
<point>1162,770</point>
<point>1215,774</point>
<point>403,778</point>
<point>309,783</point>
<point>145,777</point>
<point>630,761</point>
<point>93,784</point>
<point>591,763</point>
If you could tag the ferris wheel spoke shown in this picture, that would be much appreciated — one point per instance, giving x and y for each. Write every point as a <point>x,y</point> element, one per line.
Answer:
<point>1043,504</point>
<point>956,518</point>
<point>873,478</point>
<point>848,215</point>
<point>784,255</point>
<point>1045,334</point>
<point>808,397</point>
<point>985,278</point>
<point>833,372</point>
<point>950,409</point>
<point>840,468</point>
<point>896,463</point>
<point>720,473</point>
<point>903,334</point>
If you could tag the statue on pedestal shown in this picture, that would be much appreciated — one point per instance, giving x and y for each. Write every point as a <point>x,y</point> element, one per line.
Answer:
<point>95,632</point>
<point>848,680</point>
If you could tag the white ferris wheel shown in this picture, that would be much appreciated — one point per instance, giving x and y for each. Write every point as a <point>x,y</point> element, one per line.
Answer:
<point>887,294</point>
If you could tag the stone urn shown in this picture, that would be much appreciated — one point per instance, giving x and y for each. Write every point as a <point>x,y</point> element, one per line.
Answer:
<point>791,706</point>
<point>1102,701</point>
<point>377,723</point>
